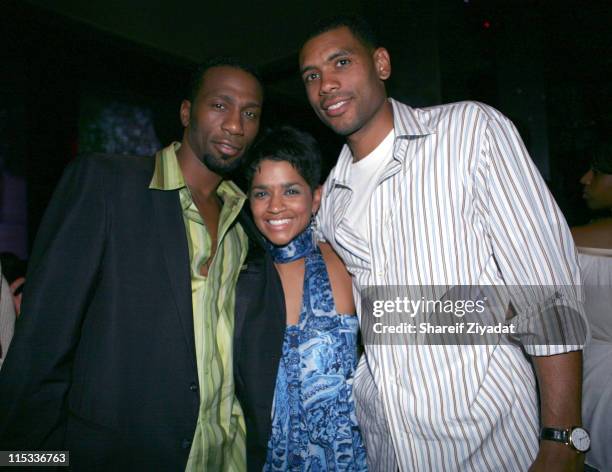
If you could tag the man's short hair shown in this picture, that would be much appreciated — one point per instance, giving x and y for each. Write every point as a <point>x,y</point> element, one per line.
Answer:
<point>195,83</point>
<point>356,24</point>
<point>288,144</point>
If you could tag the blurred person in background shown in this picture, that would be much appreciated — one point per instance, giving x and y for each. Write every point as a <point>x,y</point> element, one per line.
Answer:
<point>594,243</point>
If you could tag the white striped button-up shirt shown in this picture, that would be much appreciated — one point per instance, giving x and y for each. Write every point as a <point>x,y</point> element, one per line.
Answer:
<point>460,203</point>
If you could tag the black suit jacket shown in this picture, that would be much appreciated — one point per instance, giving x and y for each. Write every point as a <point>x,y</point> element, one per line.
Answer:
<point>103,359</point>
<point>258,337</point>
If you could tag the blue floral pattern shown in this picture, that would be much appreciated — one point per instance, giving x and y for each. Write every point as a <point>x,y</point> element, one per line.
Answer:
<point>314,426</point>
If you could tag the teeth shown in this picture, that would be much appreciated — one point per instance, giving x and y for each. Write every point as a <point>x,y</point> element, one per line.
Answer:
<point>335,106</point>
<point>278,222</point>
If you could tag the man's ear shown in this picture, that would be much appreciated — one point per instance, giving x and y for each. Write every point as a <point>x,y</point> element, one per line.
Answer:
<point>382,62</point>
<point>316,199</point>
<point>185,112</point>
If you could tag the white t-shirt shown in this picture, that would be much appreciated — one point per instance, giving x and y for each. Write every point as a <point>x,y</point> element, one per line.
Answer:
<point>363,179</point>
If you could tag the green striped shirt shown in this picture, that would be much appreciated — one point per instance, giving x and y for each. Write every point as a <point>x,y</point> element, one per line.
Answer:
<point>219,439</point>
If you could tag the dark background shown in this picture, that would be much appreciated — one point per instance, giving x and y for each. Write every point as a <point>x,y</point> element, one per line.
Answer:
<point>545,64</point>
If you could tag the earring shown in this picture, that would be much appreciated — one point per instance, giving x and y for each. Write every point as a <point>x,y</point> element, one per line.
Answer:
<point>314,229</point>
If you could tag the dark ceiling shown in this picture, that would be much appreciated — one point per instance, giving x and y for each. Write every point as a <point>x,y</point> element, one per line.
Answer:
<point>261,32</point>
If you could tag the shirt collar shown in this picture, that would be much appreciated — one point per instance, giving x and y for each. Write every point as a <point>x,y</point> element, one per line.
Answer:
<point>168,176</point>
<point>407,123</point>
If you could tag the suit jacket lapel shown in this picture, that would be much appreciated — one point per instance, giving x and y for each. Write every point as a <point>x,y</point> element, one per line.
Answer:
<point>246,221</point>
<point>171,231</point>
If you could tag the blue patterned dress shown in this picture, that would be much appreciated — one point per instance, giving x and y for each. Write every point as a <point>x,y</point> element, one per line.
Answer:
<point>314,427</point>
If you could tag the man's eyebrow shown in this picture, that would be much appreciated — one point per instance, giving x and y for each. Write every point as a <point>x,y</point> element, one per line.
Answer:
<point>230,99</point>
<point>334,55</point>
<point>306,69</point>
<point>339,53</point>
<point>227,98</point>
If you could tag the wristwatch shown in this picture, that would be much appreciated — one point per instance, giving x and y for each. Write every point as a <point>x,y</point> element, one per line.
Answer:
<point>575,437</point>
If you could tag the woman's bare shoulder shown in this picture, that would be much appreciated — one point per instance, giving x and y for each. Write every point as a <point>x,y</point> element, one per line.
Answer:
<point>340,279</point>
<point>596,234</point>
<point>329,254</point>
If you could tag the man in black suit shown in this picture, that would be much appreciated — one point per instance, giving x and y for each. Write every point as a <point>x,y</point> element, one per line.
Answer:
<point>132,254</point>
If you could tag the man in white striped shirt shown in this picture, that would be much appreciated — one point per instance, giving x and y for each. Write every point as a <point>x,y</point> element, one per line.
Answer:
<point>443,196</point>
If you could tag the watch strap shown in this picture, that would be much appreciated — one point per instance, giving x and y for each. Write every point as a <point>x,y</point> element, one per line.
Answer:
<point>554,434</point>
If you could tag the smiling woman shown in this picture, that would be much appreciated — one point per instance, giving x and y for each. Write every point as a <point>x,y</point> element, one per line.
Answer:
<point>284,184</point>
<point>313,414</point>
<point>282,201</point>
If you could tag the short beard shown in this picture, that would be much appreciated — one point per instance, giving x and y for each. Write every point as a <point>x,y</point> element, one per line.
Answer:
<point>222,165</point>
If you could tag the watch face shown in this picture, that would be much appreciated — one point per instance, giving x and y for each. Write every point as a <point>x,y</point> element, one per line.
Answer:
<point>580,439</point>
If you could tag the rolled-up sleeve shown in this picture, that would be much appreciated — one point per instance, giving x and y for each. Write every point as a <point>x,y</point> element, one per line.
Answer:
<point>532,244</point>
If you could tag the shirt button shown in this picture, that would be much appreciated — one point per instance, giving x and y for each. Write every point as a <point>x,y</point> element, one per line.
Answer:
<point>193,387</point>
<point>186,444</point>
